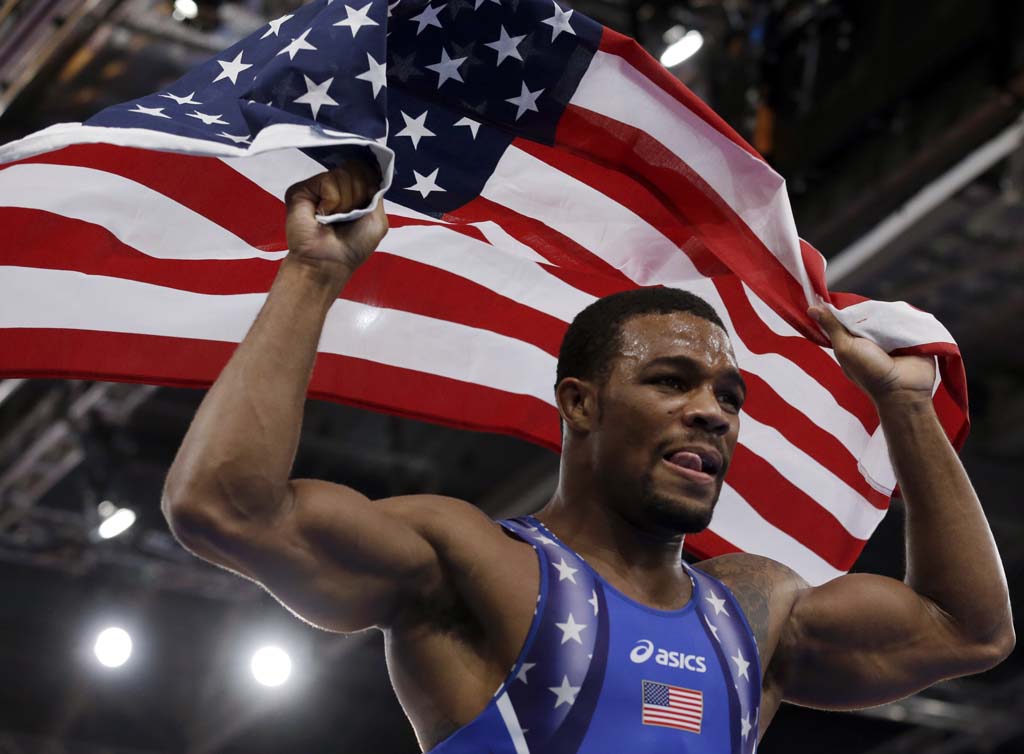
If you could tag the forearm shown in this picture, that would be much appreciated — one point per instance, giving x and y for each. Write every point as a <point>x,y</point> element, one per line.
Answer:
<point>241,444</point>
<point>951,555</point>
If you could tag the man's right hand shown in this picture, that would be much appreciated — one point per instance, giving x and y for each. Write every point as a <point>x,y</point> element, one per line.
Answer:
<point>343,189</point>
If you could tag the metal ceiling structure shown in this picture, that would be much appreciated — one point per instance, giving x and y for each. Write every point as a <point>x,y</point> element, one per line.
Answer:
<point>899,128</point>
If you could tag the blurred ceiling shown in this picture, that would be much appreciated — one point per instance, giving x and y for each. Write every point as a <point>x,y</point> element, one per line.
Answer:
<point>898,126</point>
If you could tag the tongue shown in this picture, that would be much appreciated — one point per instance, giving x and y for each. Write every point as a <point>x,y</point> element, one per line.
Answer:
<point>686,459</point>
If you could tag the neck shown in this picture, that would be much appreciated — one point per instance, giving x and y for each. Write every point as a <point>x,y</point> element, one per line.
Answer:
<point>643,564</point>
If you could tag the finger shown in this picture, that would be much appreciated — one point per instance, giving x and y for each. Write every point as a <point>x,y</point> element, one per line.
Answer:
<point>366,180</point>
<point>329,193</point>
<point>830,324</point>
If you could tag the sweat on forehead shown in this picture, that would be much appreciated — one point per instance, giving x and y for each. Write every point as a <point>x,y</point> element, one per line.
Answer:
<point>593,340</point>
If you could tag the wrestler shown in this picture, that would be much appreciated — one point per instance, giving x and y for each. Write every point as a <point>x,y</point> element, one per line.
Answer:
<point>582,628</point>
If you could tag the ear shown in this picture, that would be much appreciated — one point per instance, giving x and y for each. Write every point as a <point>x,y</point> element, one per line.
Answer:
<point>577,403</point>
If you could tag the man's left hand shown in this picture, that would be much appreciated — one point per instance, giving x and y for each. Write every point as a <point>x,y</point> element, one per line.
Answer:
<point>881,376</point>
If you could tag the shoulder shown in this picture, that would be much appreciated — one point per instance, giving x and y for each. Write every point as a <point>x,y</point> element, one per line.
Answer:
<point>766,591</point>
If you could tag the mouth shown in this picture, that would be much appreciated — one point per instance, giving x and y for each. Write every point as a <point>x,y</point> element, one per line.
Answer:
<point>696,464</point>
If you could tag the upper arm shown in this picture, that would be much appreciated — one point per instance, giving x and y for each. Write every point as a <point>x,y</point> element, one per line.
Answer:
<point>330,554</point>
<point>861,640</point>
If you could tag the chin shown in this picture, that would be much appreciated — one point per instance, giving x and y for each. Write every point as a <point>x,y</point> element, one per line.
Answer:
<point>678,515</point>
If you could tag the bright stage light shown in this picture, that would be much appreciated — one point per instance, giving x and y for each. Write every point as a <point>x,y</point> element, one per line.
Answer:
<point>682,49</point>
<point>116,522</point>
<point>186,8</point>
<point>113,647</point>
<point>271,666</point>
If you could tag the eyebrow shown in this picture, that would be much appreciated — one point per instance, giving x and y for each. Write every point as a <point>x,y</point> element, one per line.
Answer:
<point>731,376</point>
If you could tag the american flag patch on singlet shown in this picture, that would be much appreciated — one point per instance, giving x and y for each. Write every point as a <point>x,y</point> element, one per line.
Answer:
<point>672,706</point>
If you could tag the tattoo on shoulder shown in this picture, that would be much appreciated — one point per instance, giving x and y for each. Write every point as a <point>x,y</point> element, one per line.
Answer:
<point>755,582</point>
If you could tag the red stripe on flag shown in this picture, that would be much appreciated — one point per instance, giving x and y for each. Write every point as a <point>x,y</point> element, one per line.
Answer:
<point>203,184</point>
<point>43,240</point>
<point>184,362</point>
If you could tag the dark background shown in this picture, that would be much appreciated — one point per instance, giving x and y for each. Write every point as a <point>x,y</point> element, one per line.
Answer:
<point>861,104</point>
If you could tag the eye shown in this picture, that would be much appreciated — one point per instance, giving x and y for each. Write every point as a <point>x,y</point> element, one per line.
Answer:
<point>672,382</point>
<point>732,399</point>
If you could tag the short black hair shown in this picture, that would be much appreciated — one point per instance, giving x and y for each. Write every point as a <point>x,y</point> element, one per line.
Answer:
<point>593,339</point>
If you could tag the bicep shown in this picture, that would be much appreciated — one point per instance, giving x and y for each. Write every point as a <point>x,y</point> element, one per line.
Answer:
<point>863,640</point>
<point>329,554</point>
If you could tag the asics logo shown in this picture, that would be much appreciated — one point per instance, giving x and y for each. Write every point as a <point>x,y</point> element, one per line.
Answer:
<point>645,650</point>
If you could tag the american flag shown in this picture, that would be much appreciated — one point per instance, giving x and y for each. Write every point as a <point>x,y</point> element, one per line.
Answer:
<point>533,161</point>
<point>672,706</point>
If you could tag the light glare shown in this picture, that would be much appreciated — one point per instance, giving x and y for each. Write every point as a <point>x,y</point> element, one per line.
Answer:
<point>271,666</point>
<point>113,647</point>
<point>186,8</point>
<point>683,49</point>
<point>118,521</point>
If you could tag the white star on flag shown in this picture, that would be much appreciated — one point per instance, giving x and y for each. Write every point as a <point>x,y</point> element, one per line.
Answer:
<point>316,95</point>
<point>275,26</point>
<point>593,599</point>
<point>718,603</point>
<point>566,694</point>
<point>392,6</point>
<point>526,100</point>
<point>521,675</point>
<point>357,19</point>
<point>559,22</point>
<point>237,139</point>
<point>745,723</point>
<point>208,119</point>
<point>473,125</point>
<point>478,3</point>
<point>741,664</point>
<point>571,630</point>
<point>714,630</point>
<point>156,112</point>
<point>507,47</point>
<point>447,68</point>
<point>425,184</point>
<point>415,128</point>
<point>297,45</point>
<point>376,75</point>
<point>231,68</point>
<point>565,571</point>
<point>428,18</point>
<point>186,100</point>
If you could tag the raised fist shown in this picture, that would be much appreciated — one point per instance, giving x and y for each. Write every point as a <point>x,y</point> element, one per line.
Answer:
<point>343,189</point>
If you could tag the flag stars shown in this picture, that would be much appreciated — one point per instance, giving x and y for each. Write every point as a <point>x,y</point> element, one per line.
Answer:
<point>745,726</point>
<point>566,694</point>
<point>473,126</point>
<point>415,128</point>
<point>316,95</point>
<point>718,603</point>
<point>237,139</point>
<point>447,68</point>
<point>376,75</point>
<point>357,19</point>
<point>275,26</point>
<point>156,112</point>
<point>186,100</point>
<point>506,46</point>
<point>571,630</point>
<point>297,45</point>
<point>208,119</point>
<point>741,664</point>
<point>428,17</point>
<point>559,22</point>
<point>523,670</point>
<point>425,184</point>
<point>565,571</point>
<point>593,600</point>
<point>231,68</point>
<point>526,100</point>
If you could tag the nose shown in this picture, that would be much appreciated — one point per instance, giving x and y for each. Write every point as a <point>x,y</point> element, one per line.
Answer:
<point>703,411</point>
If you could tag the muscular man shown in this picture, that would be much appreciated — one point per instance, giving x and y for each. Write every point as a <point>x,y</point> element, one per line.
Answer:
<point>582,629</point>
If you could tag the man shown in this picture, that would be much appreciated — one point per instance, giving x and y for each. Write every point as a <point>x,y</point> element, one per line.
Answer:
<point>587,621</point>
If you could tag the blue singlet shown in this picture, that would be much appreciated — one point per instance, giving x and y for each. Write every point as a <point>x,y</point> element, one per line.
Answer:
<point>602,674</point>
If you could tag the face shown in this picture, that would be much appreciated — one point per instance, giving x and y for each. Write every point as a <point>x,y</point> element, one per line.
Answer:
<point>667,422</point>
